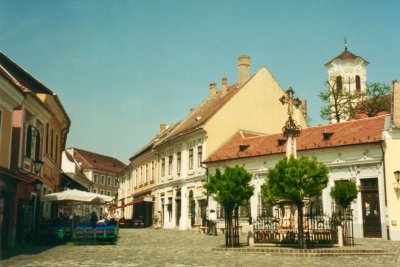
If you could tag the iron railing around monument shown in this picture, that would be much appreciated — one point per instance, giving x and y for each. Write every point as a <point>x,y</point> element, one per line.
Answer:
<point>278,225</point>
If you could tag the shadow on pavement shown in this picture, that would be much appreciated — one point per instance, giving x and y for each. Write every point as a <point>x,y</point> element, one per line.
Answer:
<point>26,249</point>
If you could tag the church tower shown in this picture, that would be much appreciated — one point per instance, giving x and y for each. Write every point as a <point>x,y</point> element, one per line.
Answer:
<point>348,72</point>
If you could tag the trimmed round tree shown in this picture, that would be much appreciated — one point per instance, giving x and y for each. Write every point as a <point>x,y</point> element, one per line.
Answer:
<point>294,180</point>
<point>344,192</point>
<point>230,189</point>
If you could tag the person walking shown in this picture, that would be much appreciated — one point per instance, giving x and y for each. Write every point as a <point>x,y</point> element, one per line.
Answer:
<point>213,223</point>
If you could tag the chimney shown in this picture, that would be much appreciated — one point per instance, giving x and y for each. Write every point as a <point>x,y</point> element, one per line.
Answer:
<point>244,69</point>
<point>163,126</point>
<point>224,88</point>
<point>213,89</point>
<point>396,104</point>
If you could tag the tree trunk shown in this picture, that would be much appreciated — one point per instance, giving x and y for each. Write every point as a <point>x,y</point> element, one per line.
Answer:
<point>228,226</point>
<point>300,225</point>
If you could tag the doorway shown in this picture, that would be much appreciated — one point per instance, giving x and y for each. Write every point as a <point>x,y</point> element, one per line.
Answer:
<point>370,208</point>
<point>177,207</point>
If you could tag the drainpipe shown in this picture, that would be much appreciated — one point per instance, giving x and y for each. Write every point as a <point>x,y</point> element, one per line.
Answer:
<point>384,184</point>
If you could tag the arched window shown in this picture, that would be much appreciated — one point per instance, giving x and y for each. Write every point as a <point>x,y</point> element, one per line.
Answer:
<point>358,83</point>
<point>339,83</point>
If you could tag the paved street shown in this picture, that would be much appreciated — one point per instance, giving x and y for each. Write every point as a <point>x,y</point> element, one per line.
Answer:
<point>149,247</point>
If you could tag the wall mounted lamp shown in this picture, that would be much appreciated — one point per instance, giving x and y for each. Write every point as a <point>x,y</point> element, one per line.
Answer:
<point>38,164</point>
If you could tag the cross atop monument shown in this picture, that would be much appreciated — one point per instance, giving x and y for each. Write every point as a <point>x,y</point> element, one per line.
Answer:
<point>290,100</point>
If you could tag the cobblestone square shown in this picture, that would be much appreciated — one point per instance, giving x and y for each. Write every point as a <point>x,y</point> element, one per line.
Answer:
<point>150,247</point>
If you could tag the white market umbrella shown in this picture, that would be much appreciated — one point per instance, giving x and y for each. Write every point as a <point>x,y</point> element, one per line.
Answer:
<point>77,196</point>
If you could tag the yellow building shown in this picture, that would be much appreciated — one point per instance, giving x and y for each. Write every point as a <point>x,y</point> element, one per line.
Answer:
<point>33,135</point>
<point>250,103</point>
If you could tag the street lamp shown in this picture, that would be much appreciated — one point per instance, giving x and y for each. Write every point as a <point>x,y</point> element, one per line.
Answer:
<point>37,185</point>
<point>38,164</point>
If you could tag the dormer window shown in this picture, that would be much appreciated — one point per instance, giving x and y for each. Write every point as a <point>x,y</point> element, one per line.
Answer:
<point>327,135</point>
<point>243,147</point>
<point>281,142</point>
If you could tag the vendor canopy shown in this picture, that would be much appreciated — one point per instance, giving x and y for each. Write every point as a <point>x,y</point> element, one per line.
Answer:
<point>77,196</point>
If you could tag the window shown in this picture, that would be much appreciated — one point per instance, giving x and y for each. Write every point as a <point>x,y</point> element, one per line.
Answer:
<point>108,193</point>
<point>339,83</point>
<point>47,138</point>
<point>94,190</point>
<point>28,148</point>
<point>141,175</point>
<point>178,162</point>
<point>56,148</point>
<point>109,180</point>
<point>136,178</point>
<point>115,181</point>
<point>316,206</point>
<point>170,165</point>
<point>37,145</point>
<point>102,192</point>
<point>358,83</point>
<point>152,170</point>
<point>95,180</point>
<point>147,172</point>
<point>163,167</point>
<point>199,155</point>
<point>191,159</point>
<point>102,179</point>
<point>52,143</point>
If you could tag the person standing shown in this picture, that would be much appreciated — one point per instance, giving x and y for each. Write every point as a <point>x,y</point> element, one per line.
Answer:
<point>93,219</point>
<point>213,223</point>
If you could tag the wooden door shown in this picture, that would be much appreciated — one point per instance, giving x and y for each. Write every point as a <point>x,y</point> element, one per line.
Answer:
<point>370,208</point>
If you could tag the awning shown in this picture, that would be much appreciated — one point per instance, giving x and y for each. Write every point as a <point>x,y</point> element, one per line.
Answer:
<point>136,201</point>
<point>129,203</point>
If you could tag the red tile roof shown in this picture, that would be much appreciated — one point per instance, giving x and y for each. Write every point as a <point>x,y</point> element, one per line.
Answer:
<point>354,132</point>
<point>91,160</point>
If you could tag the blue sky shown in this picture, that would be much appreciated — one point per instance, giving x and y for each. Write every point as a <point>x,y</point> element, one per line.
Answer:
<point>121,68</point>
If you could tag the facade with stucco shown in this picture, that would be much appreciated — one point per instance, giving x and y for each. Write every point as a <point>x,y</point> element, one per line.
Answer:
<point>243,105</point>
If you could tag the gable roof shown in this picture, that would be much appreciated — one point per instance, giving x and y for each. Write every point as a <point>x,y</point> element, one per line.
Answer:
<point>354,132</point>
<point>346,54</point>
<point>199,116</point>
<point>91,160</point>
